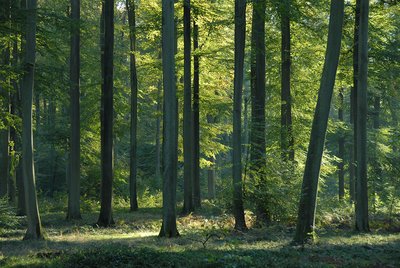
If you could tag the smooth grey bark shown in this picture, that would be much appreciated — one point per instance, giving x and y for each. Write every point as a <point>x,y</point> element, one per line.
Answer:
<point>168,228</point>
<point>188,205</point>
<point>257,132</point>
<point>361,207</point>
<point>240,35</point>
<point>353,103</point>
<point>107,114</point>
<point>75,150</point>
<point>130,7</point>
<point>341,148</point>
<point>196,119</point>
<point>33,218</point>
<point>308,200</point>
<point>287,139</point>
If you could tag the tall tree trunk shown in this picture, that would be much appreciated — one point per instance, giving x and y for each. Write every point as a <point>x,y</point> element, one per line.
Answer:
<point>74,162</point>
<point>188,205</point>
<point>353,102</point>
<point>158,134</point>
<point>341,148</point>
<point>5,107</point>
<point>287,140</point>
<point>130,6</point>
<point>196,119</point>
<point>362,224</point>
<point>34,225</point>
<point>53,154</point>
<point>107,114</point>
<point>240,35</point>
<point>376,165</point>
<point>168,228</point>
<point>257,133</point>
<point>307,207</point>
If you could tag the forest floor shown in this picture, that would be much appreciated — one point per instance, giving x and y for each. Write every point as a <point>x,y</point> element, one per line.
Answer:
<point>206,240</point>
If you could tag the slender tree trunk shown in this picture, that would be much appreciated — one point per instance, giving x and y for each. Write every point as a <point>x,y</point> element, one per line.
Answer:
<point>353,98</point>
<point>362,224</point>
<point>130,6</point>
<point>341,148</point>
<point>158,134</point>
<point>5,108</point>
<point>107,114</point>
<point>211,180</point>
<point>257,133</point>
<point>196,119</point>
<point>188,205</point>
<point>307,207</point>
<point>168,228</point>
<point>240,35</point>
<point>287,140</point>
<point>34,225</point>
<point>376,165</point>
<point>53,154</point>
<point>74,163</point>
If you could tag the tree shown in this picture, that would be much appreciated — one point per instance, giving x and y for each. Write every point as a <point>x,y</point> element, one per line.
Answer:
<point>168,228</point>
<point>306,212</point>
<point>107,110</point>
<point>34,225</point>
<point>257,132</point>
<point>240,33</point>
<point>130,7</point>
<point>196,118</point>
<point>287,140</point>
<point>362,224</point>
<point>188,205</point>
<point>74,172</point>
<point>341,148</point>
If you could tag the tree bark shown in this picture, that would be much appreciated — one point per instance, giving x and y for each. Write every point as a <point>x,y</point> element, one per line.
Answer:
<point>168,228</point>
<point>107,114</point>
<point>34,224</point>
<point>362,223</point>
<point>74,163</point>
<point>196,119</point>
<point>188,142</point>
<point>287,140</point>
<point>341,148</point>
<point>240,35</point>
<point>130,6</point>
<point>307,207</point>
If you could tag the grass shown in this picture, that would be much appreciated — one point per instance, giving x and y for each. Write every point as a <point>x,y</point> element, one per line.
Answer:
<point>206,240</point>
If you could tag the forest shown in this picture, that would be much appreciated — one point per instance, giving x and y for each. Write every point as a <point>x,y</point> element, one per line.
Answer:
<point>199,133</point>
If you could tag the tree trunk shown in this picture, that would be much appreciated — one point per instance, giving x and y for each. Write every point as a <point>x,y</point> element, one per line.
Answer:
<point>74,163</point>
<point>341,148</point>
<point>362,224</point>
<point>240,35</point>
<point>107,114</point>
<point>158,135</point>
<point>168,228</point>
<point>287,140</point>
<point>188,205</point>
<point>257,132</point>
<point>353,98</point>
<point>130,6</point>
<point>376,165</point>
<point>307,207</point>
<point>211,180</point>
<point>196,119</point>
<point>34,225</point>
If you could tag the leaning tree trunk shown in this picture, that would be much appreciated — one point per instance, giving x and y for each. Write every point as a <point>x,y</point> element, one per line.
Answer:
<point>168,228</point>
<point>130,7</point>
<point>74,163</point>
<point>107,163</point>
<point>188,205</point>
<point>306,213</point>
<point>362,224</point>
<point>287,140</point>
<point>34,225</point>
<point>240,35</point>
<point>196,119</point>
